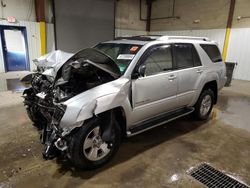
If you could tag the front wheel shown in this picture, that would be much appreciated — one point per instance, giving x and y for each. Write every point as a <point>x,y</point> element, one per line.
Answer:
<point>88,150</point>
<point>204,105</point>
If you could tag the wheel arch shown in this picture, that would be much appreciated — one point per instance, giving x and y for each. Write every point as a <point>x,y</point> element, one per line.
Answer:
<point>214,87</point>
<point>120,117</point>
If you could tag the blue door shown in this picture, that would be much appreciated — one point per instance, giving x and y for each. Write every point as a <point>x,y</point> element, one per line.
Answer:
<point>15,48</point>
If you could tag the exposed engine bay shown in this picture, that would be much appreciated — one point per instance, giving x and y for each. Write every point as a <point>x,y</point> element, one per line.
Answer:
<point>77,77</point>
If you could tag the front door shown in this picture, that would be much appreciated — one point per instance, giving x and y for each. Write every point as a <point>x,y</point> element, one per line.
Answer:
<point>154,92</point>
<point>14,47</point>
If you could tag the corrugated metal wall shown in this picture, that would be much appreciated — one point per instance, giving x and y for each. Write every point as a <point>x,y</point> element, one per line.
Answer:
<point>33,37</point>
<point>217,35</point>
<point>239,51</point>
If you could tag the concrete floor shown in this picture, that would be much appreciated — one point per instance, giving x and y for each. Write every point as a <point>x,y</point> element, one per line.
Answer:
<point>157,158</point>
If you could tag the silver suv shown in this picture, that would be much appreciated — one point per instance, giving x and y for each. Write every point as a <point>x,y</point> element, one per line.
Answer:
<point>125,87</point>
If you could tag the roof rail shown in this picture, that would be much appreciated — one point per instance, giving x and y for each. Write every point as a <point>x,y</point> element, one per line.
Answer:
<point>140,37</point>
<point>183,37</point>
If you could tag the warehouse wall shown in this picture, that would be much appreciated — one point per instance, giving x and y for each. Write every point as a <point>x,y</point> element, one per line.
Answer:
<point>239,42</point>
<point>20,9</point>
<point>211,13</point>
<point>212,16</point>
<point>127,15</point>
<point>84,24</point>
<point>50,37</point>
<point>127,22</point>
<point>214,34</point>
<point>242,8</point>
<point>238,51</point>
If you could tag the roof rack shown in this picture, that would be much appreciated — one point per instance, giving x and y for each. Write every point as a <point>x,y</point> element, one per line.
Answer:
<point>140,37</point>
<point>161,37</point>
<point>183,37</point>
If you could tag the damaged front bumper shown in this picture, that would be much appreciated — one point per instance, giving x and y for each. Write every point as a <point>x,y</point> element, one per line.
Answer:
<point>54,137</point>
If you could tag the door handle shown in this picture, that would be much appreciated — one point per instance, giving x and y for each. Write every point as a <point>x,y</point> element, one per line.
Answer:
<point>172,77</point>
<point>199,71</point>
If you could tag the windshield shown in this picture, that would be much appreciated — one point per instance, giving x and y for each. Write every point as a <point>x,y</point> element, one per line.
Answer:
<point>122,54</point>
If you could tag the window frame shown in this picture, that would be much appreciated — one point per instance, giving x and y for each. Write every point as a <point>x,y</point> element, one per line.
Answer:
<point>193,49</point>
<point>148,52</point>
<point>218,60</point>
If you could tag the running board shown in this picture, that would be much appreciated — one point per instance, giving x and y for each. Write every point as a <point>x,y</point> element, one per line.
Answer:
<point>159,120</point>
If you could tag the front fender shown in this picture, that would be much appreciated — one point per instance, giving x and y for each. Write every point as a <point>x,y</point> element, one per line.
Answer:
<point>95,101</point>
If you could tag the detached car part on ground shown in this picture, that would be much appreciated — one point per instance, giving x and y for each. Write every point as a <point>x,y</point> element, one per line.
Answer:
<point>122,88</point>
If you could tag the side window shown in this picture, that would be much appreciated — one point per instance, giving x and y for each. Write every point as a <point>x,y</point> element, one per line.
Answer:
<point>186,56</point>
<point>212,51</point>
<point>158,60</point>
<point>183,55</point>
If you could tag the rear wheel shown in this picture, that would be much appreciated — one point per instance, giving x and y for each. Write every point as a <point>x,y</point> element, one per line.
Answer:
<point>88,150</point>
<point>204,105</point>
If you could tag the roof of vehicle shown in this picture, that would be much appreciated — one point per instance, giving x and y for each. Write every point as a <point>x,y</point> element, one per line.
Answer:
<point>143,39</point>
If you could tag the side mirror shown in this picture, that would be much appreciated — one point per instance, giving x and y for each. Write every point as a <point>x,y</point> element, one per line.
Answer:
<point>140,72</point>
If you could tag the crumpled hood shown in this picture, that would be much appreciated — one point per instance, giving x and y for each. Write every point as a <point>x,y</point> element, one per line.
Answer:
<point>97,59</point>
<point>50,63</point>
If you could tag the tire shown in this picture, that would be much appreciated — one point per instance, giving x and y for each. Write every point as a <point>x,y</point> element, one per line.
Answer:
<point>205,102</point>
<point>81,156</point>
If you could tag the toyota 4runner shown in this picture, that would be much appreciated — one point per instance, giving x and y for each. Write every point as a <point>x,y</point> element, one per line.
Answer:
<point>122,88</point>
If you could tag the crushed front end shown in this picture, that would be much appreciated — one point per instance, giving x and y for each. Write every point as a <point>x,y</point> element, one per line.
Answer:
<point>51,135</point>
<point>82,72</point>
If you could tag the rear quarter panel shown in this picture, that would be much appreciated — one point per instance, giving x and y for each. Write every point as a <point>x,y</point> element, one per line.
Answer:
<point>212,72</point>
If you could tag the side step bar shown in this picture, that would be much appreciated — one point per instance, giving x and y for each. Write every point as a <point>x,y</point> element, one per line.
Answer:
<point>159,120</point>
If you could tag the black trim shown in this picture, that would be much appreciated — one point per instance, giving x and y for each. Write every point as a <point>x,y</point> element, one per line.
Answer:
<point>114,18</point>
<point>54,23</point>
<point>169,116</point>
<point>140,37</point>
<point>197,54</point>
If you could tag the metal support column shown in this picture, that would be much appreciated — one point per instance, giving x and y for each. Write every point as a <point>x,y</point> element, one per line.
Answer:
<point>228,29</point>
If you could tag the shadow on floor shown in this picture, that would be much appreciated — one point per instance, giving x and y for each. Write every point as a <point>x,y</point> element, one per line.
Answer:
<point>136,145</point>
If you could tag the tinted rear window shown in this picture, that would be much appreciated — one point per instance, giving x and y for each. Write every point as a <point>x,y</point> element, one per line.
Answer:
<point>186,56</point>
<point>212,51</point>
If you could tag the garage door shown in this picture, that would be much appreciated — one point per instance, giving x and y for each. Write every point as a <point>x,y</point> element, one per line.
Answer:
<point>81,24</point>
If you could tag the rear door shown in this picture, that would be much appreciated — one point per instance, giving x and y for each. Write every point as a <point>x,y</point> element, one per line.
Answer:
<point>155,92</point>
<point>190,72</point>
